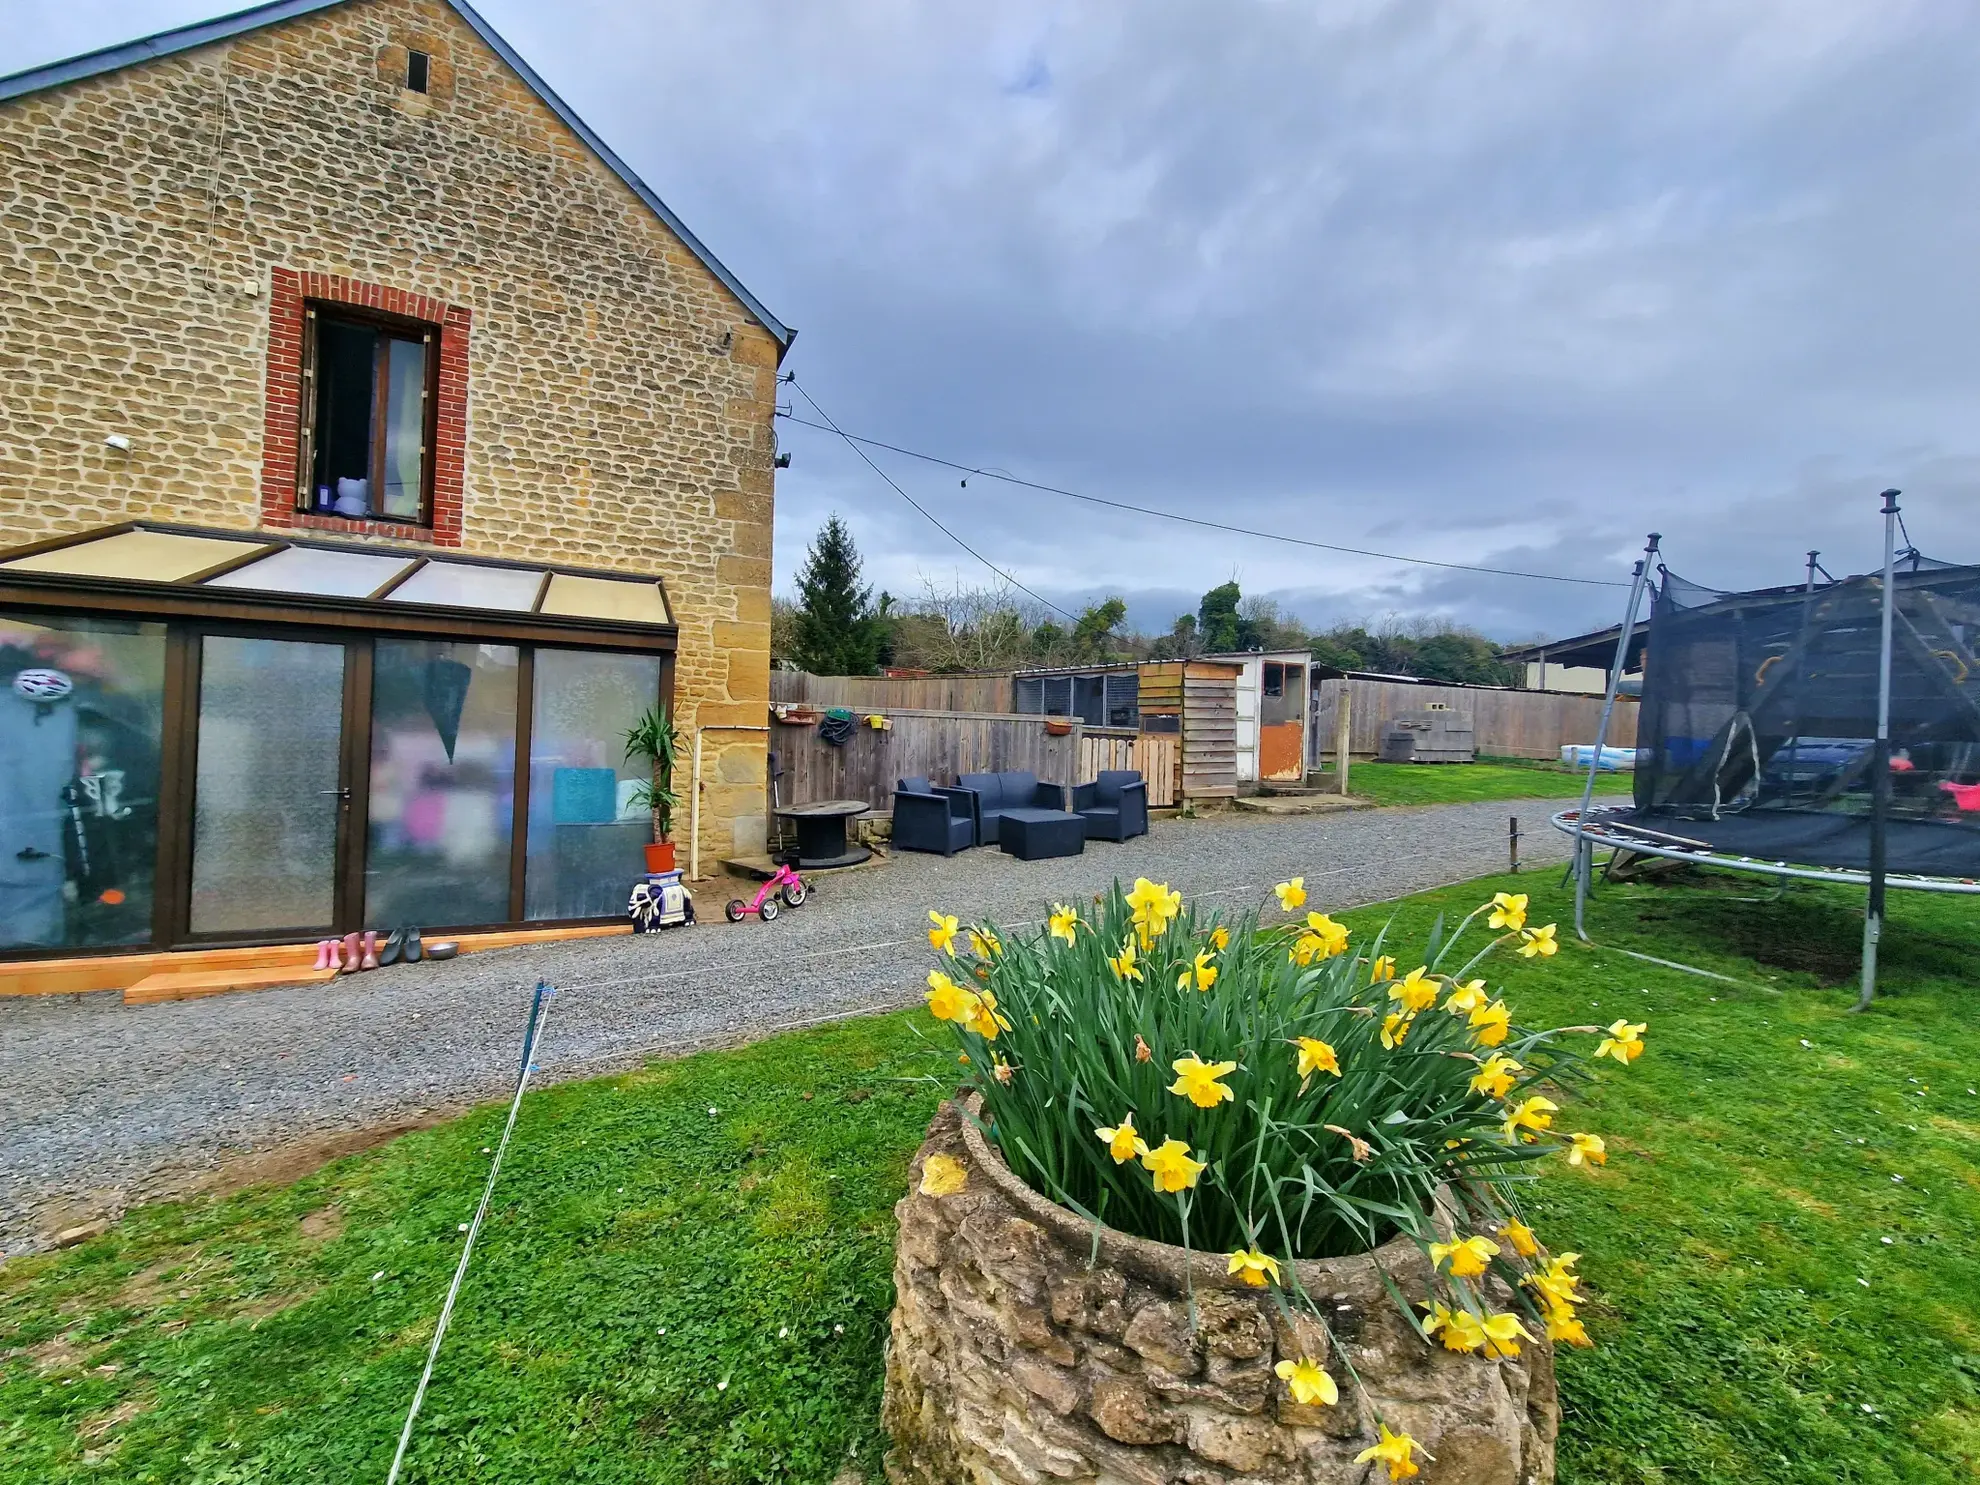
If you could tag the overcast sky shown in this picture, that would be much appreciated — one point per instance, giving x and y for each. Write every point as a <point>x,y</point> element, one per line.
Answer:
<point>1509,283</point>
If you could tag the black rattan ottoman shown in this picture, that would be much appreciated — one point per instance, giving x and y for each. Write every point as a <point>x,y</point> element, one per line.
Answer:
<point>1034,835</point>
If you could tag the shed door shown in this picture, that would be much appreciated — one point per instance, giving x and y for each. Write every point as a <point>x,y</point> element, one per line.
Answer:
<point>1247,722</point>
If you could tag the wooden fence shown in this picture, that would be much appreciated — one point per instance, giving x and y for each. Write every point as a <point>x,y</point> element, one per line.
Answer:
<point>985,693</point>
<point>940,745</point>
<point>1507,724</point>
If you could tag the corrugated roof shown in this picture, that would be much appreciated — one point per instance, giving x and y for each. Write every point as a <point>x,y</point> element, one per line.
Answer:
<point>223,28</point>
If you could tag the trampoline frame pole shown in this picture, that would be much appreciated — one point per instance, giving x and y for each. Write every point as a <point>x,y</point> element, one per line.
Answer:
<point>1583,853</point>
<point>1880,761</point>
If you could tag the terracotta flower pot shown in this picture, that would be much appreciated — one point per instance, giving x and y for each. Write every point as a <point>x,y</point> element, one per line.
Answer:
<point>1025,1345</point>
<point>660,858</point>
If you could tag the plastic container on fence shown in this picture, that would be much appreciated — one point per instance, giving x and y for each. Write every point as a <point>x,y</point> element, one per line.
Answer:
<point>1576,755</point>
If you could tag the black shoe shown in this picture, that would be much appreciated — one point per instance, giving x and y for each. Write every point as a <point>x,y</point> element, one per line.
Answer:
<point>412,951</point>
<point>394,945</point>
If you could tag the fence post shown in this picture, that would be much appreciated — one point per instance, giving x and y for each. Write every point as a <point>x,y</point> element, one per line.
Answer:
<point>1343,735</point>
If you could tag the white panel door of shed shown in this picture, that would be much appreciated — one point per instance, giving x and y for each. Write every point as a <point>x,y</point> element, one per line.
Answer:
<point>1249,679</point>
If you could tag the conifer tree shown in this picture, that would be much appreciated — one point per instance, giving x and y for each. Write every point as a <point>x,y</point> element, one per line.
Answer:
<point>836,631</point>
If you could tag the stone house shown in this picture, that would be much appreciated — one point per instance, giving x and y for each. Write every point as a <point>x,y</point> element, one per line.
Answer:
<point>374,446</point>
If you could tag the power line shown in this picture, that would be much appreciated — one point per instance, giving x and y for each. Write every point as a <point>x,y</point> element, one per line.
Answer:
<point>1142,510</point>
<point>854,444</point>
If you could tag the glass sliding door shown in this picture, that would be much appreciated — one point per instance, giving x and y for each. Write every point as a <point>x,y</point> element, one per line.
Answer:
<point>268,796</point>
<point>443,783</point>
<point>585,835</point>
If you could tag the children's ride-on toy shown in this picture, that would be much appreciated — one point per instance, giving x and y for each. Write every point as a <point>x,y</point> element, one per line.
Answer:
<point>786,884</point>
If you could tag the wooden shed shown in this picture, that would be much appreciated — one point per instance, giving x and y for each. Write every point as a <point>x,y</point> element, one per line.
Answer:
<point>1196,699</point>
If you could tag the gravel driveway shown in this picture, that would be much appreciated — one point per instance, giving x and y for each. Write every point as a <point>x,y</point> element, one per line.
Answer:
<point>104,1104</point>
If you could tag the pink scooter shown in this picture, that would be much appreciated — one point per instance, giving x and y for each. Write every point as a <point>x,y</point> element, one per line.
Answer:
<point>786,884</point>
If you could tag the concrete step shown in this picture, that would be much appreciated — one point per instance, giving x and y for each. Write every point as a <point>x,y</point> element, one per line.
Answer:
<point>1311,804</point>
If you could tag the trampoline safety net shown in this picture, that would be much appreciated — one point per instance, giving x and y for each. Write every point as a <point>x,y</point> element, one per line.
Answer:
<point>1759,720</point>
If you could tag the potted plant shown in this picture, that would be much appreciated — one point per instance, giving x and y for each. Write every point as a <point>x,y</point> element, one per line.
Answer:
<point>655,740</point>
<point>1228,1199</point>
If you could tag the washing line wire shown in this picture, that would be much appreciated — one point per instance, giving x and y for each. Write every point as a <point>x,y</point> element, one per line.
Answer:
<point>854,444</point>
<point>855,440</point>
<point>539,1016</point>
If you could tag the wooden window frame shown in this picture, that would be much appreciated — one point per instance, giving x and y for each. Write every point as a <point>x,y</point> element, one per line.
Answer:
<point>282,460</point>
<point>400,327</point>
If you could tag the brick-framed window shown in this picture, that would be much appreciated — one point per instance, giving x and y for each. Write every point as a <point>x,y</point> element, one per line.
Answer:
<point>285,481</point>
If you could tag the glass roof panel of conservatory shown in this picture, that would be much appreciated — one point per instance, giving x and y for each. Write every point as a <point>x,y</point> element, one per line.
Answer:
<point>629,601</point>
<point>141,556</point>
<point>471,585</point>
<point>322,571</point>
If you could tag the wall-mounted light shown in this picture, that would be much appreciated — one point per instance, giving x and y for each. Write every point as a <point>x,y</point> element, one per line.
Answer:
<point>118,442</point>
<point>783,461</point>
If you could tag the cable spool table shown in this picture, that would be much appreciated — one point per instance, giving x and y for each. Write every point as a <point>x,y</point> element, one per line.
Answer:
<point>821,832</point>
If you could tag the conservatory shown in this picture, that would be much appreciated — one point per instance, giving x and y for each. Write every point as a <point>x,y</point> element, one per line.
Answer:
<point>216,738</point>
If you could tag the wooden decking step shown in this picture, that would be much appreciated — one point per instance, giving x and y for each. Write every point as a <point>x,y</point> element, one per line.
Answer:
<point>192,984</point>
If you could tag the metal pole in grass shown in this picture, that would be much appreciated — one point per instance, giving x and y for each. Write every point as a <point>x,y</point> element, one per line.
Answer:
<point>539,1015</point>
<point>1583,852</point>
<point>1880,761</point>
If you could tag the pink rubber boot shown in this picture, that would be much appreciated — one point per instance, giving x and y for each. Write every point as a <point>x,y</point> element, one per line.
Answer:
<point>352,955</point>
<point>370,960</point>
<point>323,953</point>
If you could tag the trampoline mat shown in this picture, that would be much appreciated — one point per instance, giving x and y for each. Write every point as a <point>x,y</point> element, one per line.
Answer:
<point>1933,848</point>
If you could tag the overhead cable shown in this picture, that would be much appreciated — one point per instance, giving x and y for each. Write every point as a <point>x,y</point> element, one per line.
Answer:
<point>854,444</point>
<point>1142,510</point>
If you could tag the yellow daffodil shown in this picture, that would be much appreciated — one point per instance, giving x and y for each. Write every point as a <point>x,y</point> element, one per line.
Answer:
<point>1291,895</point>
<point>1624,1042</point>
<point>1197,1081</point>
<point>1538,941</point>
<point>1316,1056</point>
<point>1333,936</point>
<point>1532,1114</point>
<point>943,935</point>
<point>1508,911</point>
<point>1555,1282</point>
<point>948,1001</point>
<point>1123,964</point>
<point>1490,1023</point>
<point>1170,1165</point>
<point>1395,1026</point>
<point>1122,1142</point>
<point>1563,1326</point>
<point>1308,1382</point>
<point>1501,1335</point>
<point>1496,1076</point>
<point>1589,1147</point>
<point>1220,938</point>
<point>1415,991</point>
<point>1253,1267</point>
<point>1466,998</point>
<point>986,1021</point>
<point>1461,1330</point>
<point>983,943</point>
<point>1469,1257</point>
<point>1521,1237</point>
<point>1063,921</point>
<point>1155,906</point>
<point>1306,948</point>
<point>1382,969</point>
<point>1393,1450</point>
<point>1201,971</point>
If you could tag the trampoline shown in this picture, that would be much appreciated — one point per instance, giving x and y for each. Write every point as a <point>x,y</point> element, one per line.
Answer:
<point>1826,731</point>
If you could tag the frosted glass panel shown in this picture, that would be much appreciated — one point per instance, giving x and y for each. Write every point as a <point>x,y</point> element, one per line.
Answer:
<point>443,768</point>
<point>465,585</point>
<point>271,716</point>
<point>585,840</point>
<point>319,570</point>
<point>81,703</point>
<point>147,556</point>
<point>605,598</point>
<point>405,427</point>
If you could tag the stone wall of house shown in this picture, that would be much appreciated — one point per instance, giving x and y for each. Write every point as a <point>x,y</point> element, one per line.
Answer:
<point>619,397</point>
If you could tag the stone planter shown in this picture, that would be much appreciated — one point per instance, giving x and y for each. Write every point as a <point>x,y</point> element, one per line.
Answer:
<point>1013,1362</point>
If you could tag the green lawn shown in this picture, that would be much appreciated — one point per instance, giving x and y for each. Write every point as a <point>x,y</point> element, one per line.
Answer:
<point>1456,783</point>
<point>1772,1302</point>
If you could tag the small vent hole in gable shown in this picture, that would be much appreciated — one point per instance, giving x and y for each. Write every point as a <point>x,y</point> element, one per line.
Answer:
<point>416,71</point>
